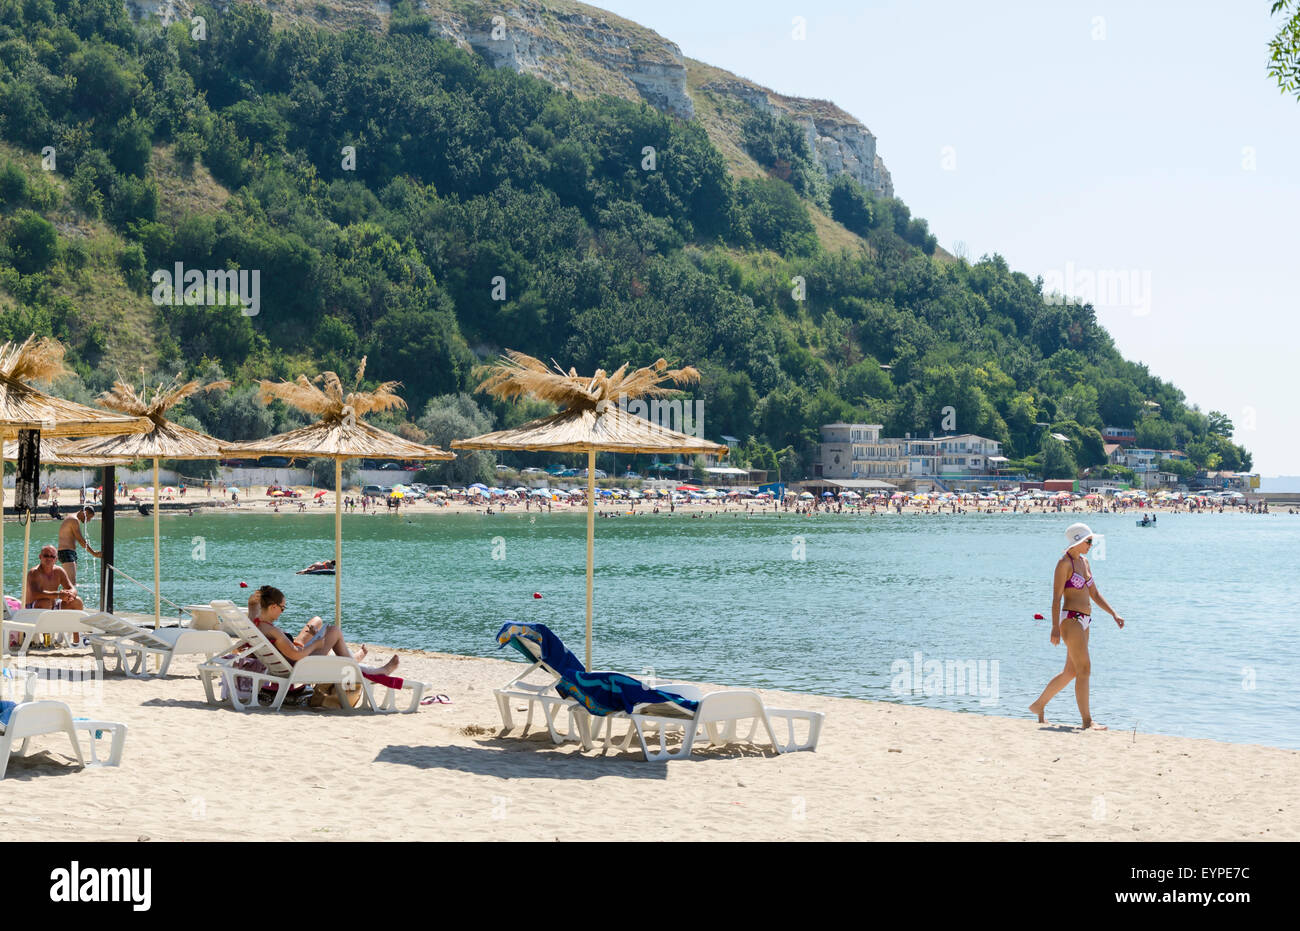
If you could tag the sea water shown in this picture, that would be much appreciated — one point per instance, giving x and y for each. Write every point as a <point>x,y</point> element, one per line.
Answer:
<point>921,609</point>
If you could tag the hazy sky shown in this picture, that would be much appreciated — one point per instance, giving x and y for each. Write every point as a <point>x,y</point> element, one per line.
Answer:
<point>1139,139</point>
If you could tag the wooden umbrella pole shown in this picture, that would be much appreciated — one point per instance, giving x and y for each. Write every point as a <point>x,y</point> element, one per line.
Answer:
<point>157,570</point>
<point>338,542</point>
<point>2,523</point>
<point>591,539</point>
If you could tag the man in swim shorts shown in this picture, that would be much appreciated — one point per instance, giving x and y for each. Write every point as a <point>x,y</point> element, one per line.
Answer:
<point>70,537</point>
<point>48,586</point>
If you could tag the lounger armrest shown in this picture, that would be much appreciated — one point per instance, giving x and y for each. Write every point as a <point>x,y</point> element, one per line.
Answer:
<point>778,716</point>
<point>118,739</point>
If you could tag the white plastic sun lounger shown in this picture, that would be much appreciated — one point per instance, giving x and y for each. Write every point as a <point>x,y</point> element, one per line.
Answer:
<point>539,694</point>
<point>134,644</point>
<point>720,713</point>
<point>34,718</point>
<point>583,726</point>
<point>339,671</point>
<point>32,623</point>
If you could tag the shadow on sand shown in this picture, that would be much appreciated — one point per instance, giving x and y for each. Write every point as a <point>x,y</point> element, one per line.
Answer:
<point>516,759</point>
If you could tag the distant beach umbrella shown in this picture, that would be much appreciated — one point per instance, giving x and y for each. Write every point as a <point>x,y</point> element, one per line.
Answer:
<point>593,418</point>
<point>339,433</point>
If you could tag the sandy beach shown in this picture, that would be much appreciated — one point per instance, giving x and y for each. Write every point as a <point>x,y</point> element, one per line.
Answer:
<point>883,771</point>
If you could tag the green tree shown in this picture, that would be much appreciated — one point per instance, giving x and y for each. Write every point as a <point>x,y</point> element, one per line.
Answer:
<point>1284,49</point>
<point>450,417</point>
<point>1057,462</point>
<point>34,242</point>
<point>13,184</point>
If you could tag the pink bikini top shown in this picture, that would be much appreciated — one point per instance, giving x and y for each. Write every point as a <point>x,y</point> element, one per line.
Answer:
<point>1076,580</point>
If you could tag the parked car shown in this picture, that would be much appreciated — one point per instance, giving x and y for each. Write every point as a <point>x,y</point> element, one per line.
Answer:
<point>533,470</point>
<point>391,467</point>
<point>374,491</point>
<point>599,474</point>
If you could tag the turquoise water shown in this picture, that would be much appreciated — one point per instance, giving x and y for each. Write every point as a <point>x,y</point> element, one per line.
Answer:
<point>1208,650</point>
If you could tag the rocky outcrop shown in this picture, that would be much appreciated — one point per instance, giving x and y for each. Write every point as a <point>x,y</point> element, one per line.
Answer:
<point>582,49</point>
<point>840,143</point>
<point>588,51</point>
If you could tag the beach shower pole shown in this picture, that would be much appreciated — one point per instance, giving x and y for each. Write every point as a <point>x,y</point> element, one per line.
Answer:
<point>338,542</point>
<point>591,539</point>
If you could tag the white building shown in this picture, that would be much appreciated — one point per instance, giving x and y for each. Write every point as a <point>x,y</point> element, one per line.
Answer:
<point>858,451</point>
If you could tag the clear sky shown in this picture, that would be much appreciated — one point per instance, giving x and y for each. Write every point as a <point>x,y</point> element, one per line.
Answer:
<point>1140,139</point>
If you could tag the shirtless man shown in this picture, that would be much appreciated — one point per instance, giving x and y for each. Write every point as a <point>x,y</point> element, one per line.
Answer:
<point>70,538</point>
<point>48,586</point>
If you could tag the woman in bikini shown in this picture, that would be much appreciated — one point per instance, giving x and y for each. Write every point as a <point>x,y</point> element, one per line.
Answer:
<point>267,603</point>
<point>1074,584</point>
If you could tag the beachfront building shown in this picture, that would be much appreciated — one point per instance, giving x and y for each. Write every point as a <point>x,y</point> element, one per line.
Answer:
<point>1225,481</point>
<point>858,451</point>
<point>1144,460</point>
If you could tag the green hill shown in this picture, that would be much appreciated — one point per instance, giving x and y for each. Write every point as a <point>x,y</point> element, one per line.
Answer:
<point>401,198</point>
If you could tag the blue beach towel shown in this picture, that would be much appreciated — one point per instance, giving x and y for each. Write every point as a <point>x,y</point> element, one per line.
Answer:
<point>601,693</point>
<point>6,708</point>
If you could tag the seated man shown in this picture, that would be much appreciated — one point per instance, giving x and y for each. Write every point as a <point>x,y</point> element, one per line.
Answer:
<point>48,585</point>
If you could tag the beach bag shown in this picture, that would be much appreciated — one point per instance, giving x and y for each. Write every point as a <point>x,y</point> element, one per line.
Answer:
<point>327,696</point>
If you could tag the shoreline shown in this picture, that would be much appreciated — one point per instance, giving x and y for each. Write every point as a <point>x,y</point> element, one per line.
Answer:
<point>883,771</point>
<point>260,504</point>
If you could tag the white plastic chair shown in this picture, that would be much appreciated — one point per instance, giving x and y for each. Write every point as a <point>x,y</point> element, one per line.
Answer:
<point>720,713</point>
<point>543,695</point>
<point>134,644</point>
<point>35,718</point>
<point>339,671</point>
<point>32,623</point>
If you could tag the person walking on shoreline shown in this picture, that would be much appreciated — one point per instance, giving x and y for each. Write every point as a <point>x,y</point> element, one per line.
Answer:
<point>1074,584</point>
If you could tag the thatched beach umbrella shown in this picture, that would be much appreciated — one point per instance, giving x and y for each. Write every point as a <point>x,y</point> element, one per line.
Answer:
<point>592,420</point>
<point>50,456</point>
<point>338,434</point>
<point>23,407</point>
<point>164,440</point>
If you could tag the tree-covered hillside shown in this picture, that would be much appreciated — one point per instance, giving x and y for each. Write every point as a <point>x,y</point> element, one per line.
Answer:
<point>401,200</point>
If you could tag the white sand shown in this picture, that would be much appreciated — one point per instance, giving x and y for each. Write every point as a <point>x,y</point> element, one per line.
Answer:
<point>192,771</point>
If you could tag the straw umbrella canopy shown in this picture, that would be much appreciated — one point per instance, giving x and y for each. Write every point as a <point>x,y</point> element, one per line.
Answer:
<point>23,407</point>
<point>591,420</point>
<point>339,433</point>
<point>163,440</point>
<point>51,456</point>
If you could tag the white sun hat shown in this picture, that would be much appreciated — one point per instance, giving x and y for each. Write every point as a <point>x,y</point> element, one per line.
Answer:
<point>1077,533</point>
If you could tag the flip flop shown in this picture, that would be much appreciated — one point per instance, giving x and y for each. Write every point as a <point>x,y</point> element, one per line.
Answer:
<point>436,700</point>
